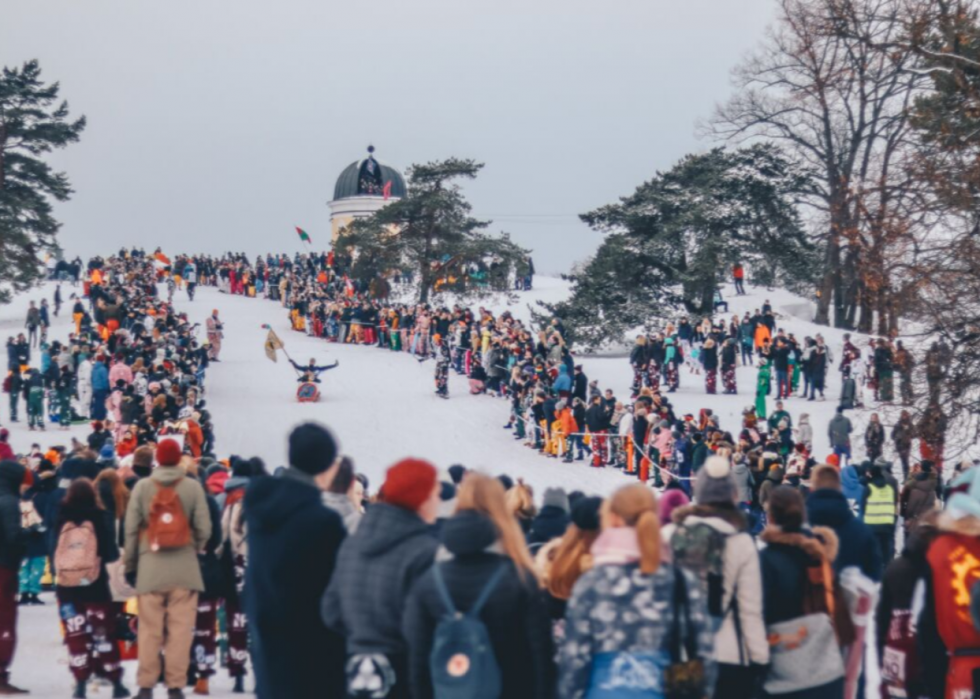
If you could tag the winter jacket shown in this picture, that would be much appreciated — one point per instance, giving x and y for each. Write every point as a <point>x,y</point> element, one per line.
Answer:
<point>853,489</point>
<point>376,568</point>
<point>786,561</point>
<point>564,382</point>
<point>342,505</point>
<point>160,571</point>
<point>40,497</point>
<point>948,638</point>
<point>515,614</point>
<point>784,564</point>
<point>744,481</point>
<point>896,600</point>
<point>743,643</point>
<point>839,430</point>
<point>100,377</point>
<point>615,608</point>
<point>71,469</point>
<point>11,533</point>
<point>108,552</point>
<point>293,542</point>
<point>550,523</point>
<point>858,548</point>
<point>918,497</point>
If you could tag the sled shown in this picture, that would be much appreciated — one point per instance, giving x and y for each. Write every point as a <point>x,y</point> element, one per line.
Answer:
<point>307,392</point>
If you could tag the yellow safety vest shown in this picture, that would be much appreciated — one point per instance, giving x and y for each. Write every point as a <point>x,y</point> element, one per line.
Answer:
<point>881,505</point>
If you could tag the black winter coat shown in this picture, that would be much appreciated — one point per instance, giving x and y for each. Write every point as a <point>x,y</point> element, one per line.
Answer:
<point>515,615</point>
<point>293,543</point>
<point>829,508</point>
<point>11,533</point>
<point>376,568</point>
<point>550,523</point>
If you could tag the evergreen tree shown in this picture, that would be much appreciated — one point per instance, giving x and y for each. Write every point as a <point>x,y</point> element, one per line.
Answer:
<point>673,241</point>
<point>32,124</point>
<point>430,233</point>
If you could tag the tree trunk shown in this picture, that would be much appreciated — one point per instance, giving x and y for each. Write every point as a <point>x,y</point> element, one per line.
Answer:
<point>828,283</point>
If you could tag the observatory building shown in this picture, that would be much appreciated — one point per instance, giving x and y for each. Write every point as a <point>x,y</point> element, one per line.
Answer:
<point>363,187</point>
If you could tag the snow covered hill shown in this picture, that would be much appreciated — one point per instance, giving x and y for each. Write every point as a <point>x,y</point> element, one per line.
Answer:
<point>381,404</point>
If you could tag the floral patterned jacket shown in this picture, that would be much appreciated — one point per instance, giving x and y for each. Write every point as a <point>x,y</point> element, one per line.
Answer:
<point>616,609</point>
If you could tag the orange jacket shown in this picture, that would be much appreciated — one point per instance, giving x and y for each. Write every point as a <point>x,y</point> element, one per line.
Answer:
<point>195,438</point>
<point>567,420</point>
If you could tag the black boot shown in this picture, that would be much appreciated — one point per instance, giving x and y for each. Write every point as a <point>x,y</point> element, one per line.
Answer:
<point>239,687</point>
<point>79,692</point>
<point>119,690</point>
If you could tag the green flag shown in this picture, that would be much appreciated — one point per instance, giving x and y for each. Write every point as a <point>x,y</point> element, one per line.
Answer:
<point>303,235</point>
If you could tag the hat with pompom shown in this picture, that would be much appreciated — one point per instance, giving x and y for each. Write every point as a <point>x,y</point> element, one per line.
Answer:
<point>714,483</point>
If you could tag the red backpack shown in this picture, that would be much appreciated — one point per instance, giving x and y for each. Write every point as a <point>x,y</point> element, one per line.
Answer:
<point>168,527</point>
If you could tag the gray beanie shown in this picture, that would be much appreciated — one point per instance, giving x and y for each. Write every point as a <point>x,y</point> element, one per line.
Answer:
<point>714,484</point>
<point>556,497</point>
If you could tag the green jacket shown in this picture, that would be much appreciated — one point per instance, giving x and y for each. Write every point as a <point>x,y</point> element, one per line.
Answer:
<point>166,570</point>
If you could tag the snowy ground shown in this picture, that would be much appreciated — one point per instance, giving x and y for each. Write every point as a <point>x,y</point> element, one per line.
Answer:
<point>381,404</point>
<point>382,407</point>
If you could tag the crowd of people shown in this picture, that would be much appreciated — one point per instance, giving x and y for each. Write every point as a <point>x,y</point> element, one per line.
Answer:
<point>738,564</point>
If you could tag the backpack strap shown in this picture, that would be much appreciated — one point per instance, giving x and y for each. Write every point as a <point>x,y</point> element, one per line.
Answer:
<point>443,592</point>
<point>487,591</point>
<point>447,600</point>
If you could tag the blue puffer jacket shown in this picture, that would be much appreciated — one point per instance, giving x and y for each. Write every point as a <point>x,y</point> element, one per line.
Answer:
<point>858,548</point>
<point>564,381</point>
<point>100,377</point>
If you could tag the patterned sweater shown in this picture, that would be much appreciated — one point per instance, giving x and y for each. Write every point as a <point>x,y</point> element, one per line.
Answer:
<point>618,609</point>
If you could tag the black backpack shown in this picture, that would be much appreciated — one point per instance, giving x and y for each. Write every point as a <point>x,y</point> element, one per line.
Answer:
<point>462,663</point>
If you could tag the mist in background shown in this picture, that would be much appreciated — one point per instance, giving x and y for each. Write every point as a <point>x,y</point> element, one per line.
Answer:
<point>218,126</point>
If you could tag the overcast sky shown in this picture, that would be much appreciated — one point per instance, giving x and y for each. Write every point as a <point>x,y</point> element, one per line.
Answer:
<point>221,125</point>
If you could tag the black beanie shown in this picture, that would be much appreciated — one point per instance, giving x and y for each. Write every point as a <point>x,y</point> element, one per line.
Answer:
<point>585,513</point>
<point>312,449</point>
<point>456,472</point>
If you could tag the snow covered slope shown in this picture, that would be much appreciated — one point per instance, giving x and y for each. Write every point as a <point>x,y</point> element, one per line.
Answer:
<point>381,404</point>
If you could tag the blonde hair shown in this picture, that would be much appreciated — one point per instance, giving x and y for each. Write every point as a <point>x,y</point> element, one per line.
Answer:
<point>483,494</point>
<point>570,560</point>
<point>520,500</point>
<point>636,505</point>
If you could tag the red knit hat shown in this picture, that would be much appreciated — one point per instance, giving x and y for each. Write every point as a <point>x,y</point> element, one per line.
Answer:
<point>169,452</point>
<point>409,483</point>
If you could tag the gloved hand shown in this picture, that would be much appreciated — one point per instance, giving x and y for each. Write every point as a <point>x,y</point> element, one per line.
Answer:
<point>131,579</point>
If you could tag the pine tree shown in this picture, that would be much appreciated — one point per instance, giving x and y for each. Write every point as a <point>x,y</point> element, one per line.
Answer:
<point>32,124</point>
<point>673,241</point>
<point>430,232</point>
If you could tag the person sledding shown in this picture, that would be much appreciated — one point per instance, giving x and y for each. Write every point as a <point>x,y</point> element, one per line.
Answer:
<point>310,373</point>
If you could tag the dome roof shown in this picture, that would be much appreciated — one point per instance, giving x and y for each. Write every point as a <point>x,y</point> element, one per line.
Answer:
<point>366,178</point>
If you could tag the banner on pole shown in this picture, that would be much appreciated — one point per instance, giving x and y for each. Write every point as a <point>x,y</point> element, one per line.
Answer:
<point>272,343</point>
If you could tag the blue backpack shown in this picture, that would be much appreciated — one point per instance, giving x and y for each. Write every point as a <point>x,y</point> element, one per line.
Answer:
<point>462,663</point>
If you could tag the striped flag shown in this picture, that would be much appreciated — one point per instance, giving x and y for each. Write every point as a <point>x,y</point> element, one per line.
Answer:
<point>303,235</point>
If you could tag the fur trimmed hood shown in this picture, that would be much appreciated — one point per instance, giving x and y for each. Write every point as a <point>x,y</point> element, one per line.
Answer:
<point>967,525</point>
<point>822,544</point>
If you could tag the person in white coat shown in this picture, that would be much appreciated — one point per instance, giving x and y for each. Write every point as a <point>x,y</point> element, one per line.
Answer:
<point>84,387</point>
<point>741,647</point>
